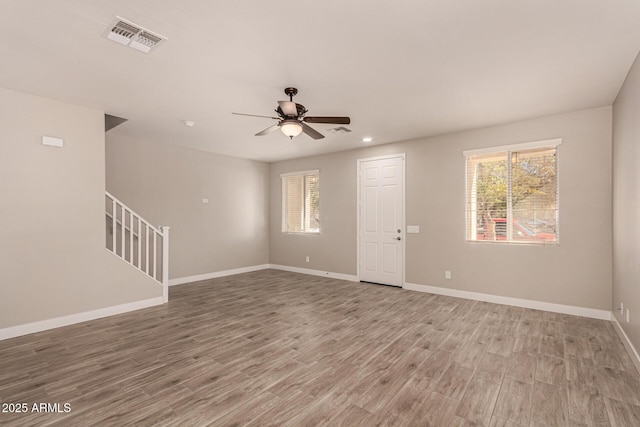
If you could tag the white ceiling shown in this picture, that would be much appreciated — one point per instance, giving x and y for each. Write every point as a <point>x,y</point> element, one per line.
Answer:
<point>401,69</point>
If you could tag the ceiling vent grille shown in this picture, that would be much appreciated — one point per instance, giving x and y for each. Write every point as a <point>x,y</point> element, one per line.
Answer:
<point>340,129</point>
<point>132,35</point>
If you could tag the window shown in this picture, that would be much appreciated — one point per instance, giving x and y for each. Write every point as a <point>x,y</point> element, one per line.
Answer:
<point>512,193</point>
<point>301,202</point>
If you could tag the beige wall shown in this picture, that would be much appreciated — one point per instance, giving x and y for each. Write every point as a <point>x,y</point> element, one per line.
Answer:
<point>52,244</point>
<point>626,203</point>
<point>52,251</point>
<point>577,272</point>
<point>166,184</point>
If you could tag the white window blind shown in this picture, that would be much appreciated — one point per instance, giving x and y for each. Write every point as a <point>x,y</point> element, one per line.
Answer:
<point>512,193</point>
<point>301,202</point>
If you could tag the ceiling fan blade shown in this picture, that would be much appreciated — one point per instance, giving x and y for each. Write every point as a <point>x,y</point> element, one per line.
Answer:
<point>268,130</point>
<point>332,120</point>
<point>311,131</point>
<point>255,115</point>
<point>288,108</point>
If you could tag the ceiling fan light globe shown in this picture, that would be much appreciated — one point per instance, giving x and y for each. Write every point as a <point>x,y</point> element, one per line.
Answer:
<point>291,128</point>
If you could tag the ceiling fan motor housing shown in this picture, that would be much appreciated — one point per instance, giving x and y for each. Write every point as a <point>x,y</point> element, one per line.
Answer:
<point>300,112</point>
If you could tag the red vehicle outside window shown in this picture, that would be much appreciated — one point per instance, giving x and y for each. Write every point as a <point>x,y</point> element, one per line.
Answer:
<point>520,232</point>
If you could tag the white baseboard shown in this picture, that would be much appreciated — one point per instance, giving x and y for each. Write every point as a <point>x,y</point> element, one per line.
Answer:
<point>216,274</point>
<point>43,325</point>
<point>633,353</point>
<point>341,276</point>
<point>517,302</point>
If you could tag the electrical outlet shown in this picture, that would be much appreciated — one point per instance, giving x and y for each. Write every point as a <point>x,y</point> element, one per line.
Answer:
<point>307,258</point>
<point>447,275</point>
<point>627,315</point>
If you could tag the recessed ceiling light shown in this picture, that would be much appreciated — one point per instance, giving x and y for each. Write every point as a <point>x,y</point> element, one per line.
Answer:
<point>367,139</point>
<point>189,123</point>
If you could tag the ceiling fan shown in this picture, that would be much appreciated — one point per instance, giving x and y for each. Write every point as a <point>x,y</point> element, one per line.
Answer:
<point>292,120</point>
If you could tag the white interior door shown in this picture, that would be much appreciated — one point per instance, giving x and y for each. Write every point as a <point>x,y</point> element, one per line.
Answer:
<point>381,220</point>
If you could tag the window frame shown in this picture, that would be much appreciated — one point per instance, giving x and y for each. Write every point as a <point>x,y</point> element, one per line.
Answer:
<point>284,198</point>
<point>506,151</point>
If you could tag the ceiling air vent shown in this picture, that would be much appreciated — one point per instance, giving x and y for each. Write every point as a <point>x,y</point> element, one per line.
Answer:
<point>145,41</point>
<point>133,35</point>
<point>340,129</point>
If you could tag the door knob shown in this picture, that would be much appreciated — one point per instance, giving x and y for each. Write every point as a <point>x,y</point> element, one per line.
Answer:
<point>397,238</point>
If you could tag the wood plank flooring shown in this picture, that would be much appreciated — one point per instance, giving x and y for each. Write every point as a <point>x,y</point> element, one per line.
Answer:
<point>274,348</point>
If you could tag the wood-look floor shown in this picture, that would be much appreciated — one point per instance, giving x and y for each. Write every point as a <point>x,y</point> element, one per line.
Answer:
<point>279,348</point>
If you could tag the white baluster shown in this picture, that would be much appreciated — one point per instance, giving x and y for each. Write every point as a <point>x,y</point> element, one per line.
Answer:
<point>122,223</point>
<point>131,237</point>
<point>155,254</point>
<point>165,262</point>
<point>114,227</point>
<point>146,241</point>
<point>139,243</point>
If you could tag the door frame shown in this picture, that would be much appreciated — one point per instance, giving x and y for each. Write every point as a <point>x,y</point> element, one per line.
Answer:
<point>403,157</point>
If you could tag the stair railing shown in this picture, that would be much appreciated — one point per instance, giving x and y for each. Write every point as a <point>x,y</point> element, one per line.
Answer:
<point>137,242</point>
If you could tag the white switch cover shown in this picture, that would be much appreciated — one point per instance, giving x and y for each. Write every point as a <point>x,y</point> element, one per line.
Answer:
<point>413,229</point>
<point>54,142</point>
<point>205,200</point>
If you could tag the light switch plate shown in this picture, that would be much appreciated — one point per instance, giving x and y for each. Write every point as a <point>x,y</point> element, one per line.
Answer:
<point>413,229</point>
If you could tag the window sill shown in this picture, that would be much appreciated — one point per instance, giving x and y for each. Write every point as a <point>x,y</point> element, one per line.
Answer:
<point>301,233</point>
<point>513,242</point>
